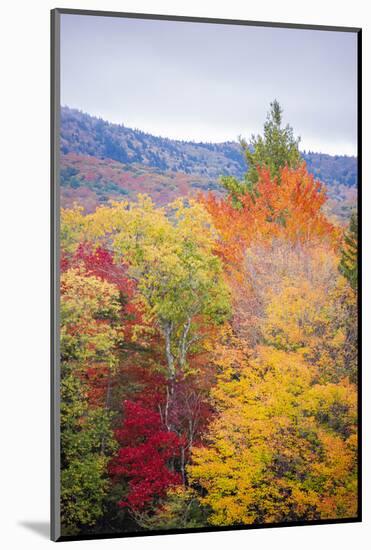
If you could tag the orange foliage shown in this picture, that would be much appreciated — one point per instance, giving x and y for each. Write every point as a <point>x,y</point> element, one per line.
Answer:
<point>289,209</point>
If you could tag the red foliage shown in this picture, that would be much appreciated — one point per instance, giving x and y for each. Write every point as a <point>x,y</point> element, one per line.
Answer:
<point>147,449</point>
<point>190,410</point>
<point>100,262</point>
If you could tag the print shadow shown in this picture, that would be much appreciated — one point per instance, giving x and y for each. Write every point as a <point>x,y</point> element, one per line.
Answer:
<point>42,528</point>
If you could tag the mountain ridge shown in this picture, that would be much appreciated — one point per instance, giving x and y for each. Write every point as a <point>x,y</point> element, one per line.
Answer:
<point>102,161</point>
<point>84,134</point>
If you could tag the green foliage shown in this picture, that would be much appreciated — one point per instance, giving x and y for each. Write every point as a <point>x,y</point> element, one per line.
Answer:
<point>349,253</point>
<point>85,431</point>
<point>275,149</point>
<point>181,510</point>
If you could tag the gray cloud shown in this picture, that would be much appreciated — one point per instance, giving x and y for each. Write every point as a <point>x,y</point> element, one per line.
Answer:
<point>211,82</point>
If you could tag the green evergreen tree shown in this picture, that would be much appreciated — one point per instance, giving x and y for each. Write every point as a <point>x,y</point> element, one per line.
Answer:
<point>275,149</point>
<point>349,253</point>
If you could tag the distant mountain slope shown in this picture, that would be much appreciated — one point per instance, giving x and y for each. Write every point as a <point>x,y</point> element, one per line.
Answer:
<point>87,135</point>
<point>91,181</point>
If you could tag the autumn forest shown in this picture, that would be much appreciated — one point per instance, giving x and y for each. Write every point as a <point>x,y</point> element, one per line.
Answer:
<point>209,348</point>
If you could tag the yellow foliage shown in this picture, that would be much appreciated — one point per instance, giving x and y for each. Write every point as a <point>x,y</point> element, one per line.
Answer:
<point>278,449</point>
<point>89,313</point>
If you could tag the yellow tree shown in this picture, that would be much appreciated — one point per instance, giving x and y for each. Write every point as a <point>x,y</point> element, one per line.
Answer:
<point>278,449</point>
<point>170,253</point>
<point>90,309</point>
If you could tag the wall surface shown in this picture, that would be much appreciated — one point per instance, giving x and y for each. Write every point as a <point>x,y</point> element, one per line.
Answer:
<point>24,216</point>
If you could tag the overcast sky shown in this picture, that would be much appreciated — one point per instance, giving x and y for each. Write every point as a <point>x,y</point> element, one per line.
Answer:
<point>208,82</point>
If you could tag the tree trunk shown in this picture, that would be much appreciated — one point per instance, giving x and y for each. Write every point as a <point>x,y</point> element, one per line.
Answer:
<point>108,399</point>
<point>182,465</point>
<point>167,328</point>
<point>183,347</point>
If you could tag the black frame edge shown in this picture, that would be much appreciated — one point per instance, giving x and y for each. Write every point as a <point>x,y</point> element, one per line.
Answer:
<point>223,529</point>
<point>55,531</point>
<point>359,284</point>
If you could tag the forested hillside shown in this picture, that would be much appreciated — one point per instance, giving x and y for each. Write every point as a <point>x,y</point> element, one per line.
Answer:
<point>102,161</point>
<point>88,135</point>
<point>92,181</point>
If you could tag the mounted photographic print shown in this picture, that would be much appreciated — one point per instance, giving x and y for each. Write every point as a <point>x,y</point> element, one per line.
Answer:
<point>205,277</point>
